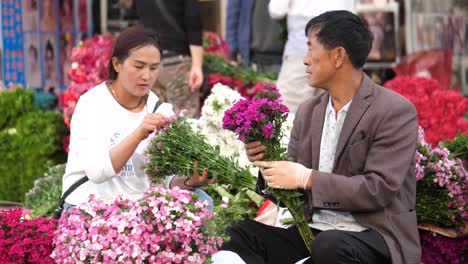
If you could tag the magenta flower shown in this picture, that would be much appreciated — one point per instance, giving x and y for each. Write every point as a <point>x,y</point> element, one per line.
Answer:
<point>258,118</point>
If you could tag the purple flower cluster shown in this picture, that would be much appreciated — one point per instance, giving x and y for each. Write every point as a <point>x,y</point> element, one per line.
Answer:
<point>257,118</point>
<point>419,157</point>
<point>167,226</point>
<point>438,249</point>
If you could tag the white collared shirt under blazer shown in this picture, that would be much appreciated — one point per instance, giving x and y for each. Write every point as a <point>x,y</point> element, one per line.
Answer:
<point>324,219</point>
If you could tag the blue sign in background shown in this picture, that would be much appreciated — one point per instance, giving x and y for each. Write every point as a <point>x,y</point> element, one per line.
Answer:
<point>12,35</point>
<point>18,37</point>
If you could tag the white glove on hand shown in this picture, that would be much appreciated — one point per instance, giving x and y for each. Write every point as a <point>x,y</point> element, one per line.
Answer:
<point>284,174</point>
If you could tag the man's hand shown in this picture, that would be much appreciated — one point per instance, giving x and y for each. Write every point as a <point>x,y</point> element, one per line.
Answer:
<point>284,174</point>
<point>198,180</point>
<point>255,151</point>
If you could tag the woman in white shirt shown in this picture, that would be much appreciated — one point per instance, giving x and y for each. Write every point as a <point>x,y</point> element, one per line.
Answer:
<point>112,122</point>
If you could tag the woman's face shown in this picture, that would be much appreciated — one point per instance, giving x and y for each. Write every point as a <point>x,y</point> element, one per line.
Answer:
<point>139,71</point>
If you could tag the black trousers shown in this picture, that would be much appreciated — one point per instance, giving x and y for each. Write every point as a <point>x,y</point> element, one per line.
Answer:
<point>258,243</point>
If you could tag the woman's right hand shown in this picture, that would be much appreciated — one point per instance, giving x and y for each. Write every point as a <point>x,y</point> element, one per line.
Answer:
<point>255,151</point>
<point>151,122</point>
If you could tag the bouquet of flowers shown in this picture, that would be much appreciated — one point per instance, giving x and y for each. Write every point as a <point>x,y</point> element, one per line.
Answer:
<point>42,198</point>
<point>167,226</point>
<point>175,147</point>
<point>25,240</point>
<point>442,187</point>
<point>261,119</point>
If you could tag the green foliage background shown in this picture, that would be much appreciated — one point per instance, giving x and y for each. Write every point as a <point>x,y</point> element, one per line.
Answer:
<point>30,142</point>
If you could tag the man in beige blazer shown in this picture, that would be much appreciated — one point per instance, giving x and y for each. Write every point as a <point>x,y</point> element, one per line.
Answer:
<point>354,149</point>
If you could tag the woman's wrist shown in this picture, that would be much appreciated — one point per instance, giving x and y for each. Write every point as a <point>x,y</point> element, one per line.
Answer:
<point>188,184</point>
<point>181,182</point>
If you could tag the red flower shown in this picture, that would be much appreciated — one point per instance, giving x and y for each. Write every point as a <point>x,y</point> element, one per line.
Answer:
<point>440,111</point>
<point>25,241</point>
<point>214,78</point>
<point>66,143</point>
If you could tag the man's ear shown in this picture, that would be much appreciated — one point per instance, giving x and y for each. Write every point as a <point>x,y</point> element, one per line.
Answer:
<point>340,57</point>
<point>115,64</point>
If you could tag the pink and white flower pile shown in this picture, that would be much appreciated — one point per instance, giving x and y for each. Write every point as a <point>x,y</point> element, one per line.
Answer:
<point>166,226</point>
<point>442,190</point>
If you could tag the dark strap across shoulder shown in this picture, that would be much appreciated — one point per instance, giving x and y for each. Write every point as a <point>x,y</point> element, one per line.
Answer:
<point>58,210</point>
<point>158,103</point>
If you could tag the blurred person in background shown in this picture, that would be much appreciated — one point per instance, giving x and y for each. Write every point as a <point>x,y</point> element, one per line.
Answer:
<point>253,36</point>
<point>292,79</point>
<point>179,25</point>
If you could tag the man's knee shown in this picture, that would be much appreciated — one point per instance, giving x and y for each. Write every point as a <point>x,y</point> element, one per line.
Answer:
<point>332,246</point>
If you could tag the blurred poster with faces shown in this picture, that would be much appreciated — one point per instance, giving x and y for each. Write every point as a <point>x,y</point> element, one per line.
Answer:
<point>83,15</point>
<point>48,15</point>
<point>66,46</point>
<point>382,26</point>
<point>67,21</point>
<point>32,58</point>
<point>381,17</point>
<point>50,54</point>
<point>30,15</point>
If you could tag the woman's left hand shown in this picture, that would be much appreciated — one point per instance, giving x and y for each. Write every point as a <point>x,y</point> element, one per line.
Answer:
<point>198,180</point>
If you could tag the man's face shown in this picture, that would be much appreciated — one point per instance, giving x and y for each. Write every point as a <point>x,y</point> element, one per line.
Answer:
<point>320,65</point>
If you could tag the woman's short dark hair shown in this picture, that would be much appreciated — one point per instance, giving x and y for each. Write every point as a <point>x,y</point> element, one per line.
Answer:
<point>343,29</point>
<point>132,38</point>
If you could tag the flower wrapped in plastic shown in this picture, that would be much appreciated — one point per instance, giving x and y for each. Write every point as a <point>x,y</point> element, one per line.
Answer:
<point>166,226</point>
<point>261,119</point>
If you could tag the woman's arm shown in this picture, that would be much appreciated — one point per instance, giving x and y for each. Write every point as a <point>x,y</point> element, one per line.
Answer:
<point>122,152</point>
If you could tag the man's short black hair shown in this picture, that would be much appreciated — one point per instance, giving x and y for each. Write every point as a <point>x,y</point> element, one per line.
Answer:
<point>343,29</point>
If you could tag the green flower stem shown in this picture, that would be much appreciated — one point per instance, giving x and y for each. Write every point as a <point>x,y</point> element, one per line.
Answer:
<point>294,206</point>
<point>292,199</point>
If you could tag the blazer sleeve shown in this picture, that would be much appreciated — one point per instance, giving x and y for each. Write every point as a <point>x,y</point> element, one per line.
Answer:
<point>389,160</point>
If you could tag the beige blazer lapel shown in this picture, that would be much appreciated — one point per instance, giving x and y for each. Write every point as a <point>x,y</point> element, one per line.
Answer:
<point>318,118</point>
<point>356,110</point>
